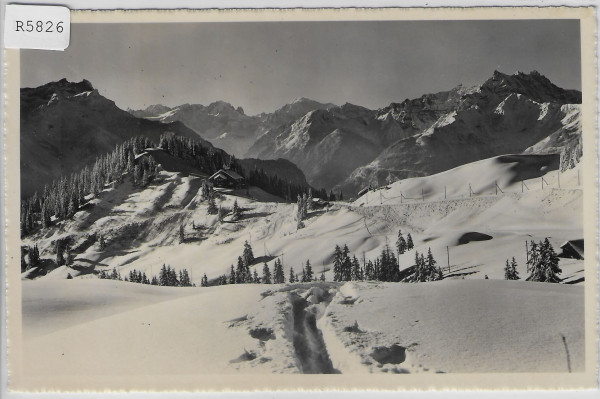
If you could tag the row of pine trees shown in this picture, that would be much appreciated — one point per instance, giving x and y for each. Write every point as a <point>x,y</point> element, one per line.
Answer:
<point>167,277</point>
<point>542,264</point>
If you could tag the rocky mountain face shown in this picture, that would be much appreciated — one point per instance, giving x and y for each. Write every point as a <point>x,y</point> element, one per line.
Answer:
<point>350,147</point>
<point>506,114</point>
<point>225,126</point>
<point>66,125</point>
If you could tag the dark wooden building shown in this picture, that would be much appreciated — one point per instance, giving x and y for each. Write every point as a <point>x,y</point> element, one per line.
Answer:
<point>572,249</point>
<point>227,178</point>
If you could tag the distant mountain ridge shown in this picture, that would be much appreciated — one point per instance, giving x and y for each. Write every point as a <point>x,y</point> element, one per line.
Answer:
<point>349,147</point>
<point>225,126</point>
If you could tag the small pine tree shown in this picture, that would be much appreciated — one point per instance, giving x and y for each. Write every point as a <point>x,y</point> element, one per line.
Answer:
<point>212,205</point>
<point>255,278</point>
<point>309,271</point>
<point>266,278</point>
<point>355,270</point>
<point>34,256</point>
<point>236,212</point>
<point>248,255</point>
<point>303,279</point>
<point>278,274</point>
<point>292,275</point>
<point>409,242</point>
<point>163,276</point>
<point>240,271</point>
<point>401,243</point>
<point>322,278</point>
<point>204,281</point>
<point>69,277</point>
<point>232,276</point>
<point>510,270</point>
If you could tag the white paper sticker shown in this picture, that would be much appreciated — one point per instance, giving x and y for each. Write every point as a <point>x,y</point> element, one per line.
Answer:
<point>37,27</point>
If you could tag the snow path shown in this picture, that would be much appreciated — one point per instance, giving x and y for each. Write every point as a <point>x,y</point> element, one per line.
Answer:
<point>309,346</point>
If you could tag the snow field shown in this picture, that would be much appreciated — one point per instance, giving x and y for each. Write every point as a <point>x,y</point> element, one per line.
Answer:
<point>117,328</point>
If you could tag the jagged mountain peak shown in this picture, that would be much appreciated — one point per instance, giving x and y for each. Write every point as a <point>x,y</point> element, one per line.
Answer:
<point>533,85</point>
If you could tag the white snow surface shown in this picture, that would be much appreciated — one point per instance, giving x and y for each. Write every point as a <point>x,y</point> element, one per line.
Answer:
<point>100,327</point>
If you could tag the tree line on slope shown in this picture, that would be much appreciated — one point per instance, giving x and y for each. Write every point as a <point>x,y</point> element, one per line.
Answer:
<point>63,197</point>
<point>542,266</point>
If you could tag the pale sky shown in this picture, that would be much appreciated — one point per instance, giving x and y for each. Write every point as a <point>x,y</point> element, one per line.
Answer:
<point>262,66</point>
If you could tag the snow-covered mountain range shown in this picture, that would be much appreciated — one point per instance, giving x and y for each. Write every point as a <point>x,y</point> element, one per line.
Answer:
<point>349,147</point>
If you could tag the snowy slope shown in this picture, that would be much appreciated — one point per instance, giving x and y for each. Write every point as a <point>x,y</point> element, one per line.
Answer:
<point>141,228</point>
<point>121,329</point>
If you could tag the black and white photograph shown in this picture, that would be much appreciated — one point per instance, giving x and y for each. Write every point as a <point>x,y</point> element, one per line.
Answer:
<point>284,196</point>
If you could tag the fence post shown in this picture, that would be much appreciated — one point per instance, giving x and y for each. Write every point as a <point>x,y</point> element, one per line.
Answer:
<point>444,192</point>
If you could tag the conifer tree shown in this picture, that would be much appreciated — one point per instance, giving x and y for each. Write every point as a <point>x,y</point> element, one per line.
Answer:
<point>510,270</point>
<point>255,278</point>
<point>309,200</point>
<point>292,275</point>
<point>212,205</point>
<point>303,278</point>
<point>418,269</point>
<point>346,264</point>
<point>337,263</point>
<point>204,281</point>
<point>240,271</point>
<point>401,243</point>
<point>355,272</point>
<point>534,263</point>
<point>163,277</point>
<point>369,272</point>
<point>232,276</point>
<point>432,272</point>
<point>154,281</point>
<point>266,278</point>
<point>34,256</point>
<point>278,277</point>
<point>248,255</point>
<point>309,271</point>
<point>236,212</point>
<point>409,242</point>
<point>322,278</point>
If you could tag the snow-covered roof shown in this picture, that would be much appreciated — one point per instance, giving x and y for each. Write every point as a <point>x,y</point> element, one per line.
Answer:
<point>141,154</point>
<point>576,245</point>
<point>232,174</point>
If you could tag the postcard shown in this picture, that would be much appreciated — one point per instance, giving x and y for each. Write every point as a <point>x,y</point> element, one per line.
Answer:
<point>304,199</point>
